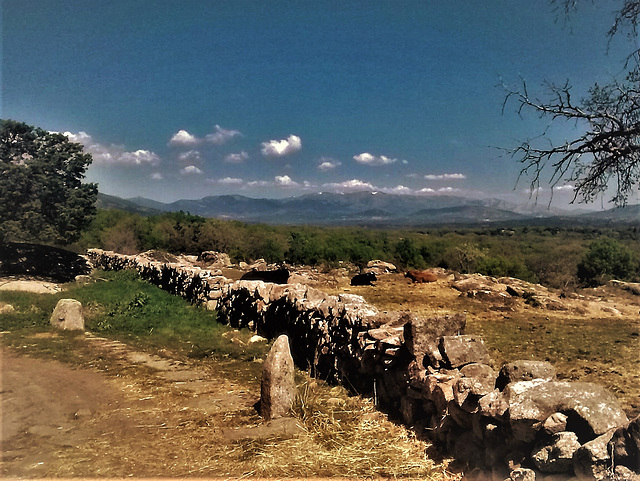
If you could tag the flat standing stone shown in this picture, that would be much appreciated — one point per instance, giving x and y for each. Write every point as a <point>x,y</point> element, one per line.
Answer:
<point>278,388</point>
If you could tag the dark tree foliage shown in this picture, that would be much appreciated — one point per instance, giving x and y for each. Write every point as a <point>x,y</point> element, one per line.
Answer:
<point>606,259</point>
<point>42,197</point>
<point>607,153</point>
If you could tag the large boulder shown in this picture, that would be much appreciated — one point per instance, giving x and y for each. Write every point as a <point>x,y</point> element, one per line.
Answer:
<point>421,336</point>
<point>67,315</point>
<point>525,370</point>
<point>591,409</point>
<point>278,388</point>
<point>459,351</point>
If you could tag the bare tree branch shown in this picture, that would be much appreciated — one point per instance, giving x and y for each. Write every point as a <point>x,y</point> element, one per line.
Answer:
<point>607,153</point>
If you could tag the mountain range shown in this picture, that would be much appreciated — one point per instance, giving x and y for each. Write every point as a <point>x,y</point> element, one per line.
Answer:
<point>375,209</point>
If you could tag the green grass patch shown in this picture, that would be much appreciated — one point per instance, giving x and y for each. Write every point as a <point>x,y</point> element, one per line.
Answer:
<point>120,305</point>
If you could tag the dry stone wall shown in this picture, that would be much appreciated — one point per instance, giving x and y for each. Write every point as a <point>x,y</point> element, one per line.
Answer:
<point>519,420</point>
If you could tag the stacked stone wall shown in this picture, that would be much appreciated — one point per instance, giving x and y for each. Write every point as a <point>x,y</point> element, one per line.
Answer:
<point>518,422</point>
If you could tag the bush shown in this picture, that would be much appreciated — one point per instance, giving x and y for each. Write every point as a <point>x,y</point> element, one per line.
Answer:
<point>606,259</point>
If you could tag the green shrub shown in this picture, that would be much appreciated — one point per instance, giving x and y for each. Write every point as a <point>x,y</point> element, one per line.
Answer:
<point>606,259</point>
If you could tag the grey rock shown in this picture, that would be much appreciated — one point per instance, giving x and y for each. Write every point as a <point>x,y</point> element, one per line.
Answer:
<point>67,315</point>
<point>461,350</point>
<point>555,423</point>
<point>622,472</point>
<point>556,455</point>
<point>625,445</point>
<point>494,404</point>
<point>7,309</point>
<point>278,388</point>
<point>591,461</point>
<point>525,370</point>
<point>522,474</point>
<point>532,402</point>
<point>477,380</point>
<point>421,336</point>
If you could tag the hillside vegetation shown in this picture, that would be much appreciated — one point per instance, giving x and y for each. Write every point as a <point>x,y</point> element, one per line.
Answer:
<point>551,256</point>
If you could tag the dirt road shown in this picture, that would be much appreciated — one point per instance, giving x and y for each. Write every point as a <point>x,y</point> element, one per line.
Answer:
<point>168,420</point>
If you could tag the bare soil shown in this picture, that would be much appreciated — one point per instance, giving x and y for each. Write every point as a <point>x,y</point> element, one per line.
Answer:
<point>165,418</point>
<point>121,412</point>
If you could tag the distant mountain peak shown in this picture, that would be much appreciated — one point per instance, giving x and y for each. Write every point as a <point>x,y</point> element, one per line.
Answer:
<point>372,208</point>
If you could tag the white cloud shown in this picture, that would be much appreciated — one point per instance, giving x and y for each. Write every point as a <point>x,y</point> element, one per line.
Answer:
<point>221,136</point>
<point>139,157</point>
<point>258,183</point>
<point>328,164</point>
<point>112,154</point>
<point>279,148</point>
<point>397,190</point>
<point>190,157</point>
<point>230,181</point>
<point>445,177</point>
<point>236,158</point>
<point>79,138</point>
<point>426,190</point>
<point>366,158</point>
<point>156,176</point>
<point>285,181</point>
<point>190,169</point>
<point>448,189</point>
<point>183,138</point>
<point>352,185</point>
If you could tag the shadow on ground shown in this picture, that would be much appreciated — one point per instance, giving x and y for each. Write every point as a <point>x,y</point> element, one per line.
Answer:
<point>35,260</point>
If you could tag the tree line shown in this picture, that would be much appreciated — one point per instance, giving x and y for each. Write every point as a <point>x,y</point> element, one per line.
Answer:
<point>548,255</point>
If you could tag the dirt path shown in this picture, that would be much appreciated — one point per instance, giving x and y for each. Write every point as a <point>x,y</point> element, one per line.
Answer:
<point>168,420</point>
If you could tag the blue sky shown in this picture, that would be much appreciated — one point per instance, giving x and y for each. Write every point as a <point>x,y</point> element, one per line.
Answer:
<point>182,99</point>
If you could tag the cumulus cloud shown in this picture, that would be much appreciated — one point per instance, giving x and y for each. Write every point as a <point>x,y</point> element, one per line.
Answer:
<point>236,158</point>
<point>112,154</point>
<point>285,181</point>
<point>445,177</point>
<point>327,164</point>
<point>353,185</point>
<point>221,136</point>
<point>190,169</point>
<point>79,138</point>
<point>280,148</point>
<point>366,158</point>
<point>139,157</point>
<point>183,138</point>
<point>156,176</point>
<point>190,157</point>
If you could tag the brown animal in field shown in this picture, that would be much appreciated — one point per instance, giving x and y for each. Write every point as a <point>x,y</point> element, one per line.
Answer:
<point>421,276</point>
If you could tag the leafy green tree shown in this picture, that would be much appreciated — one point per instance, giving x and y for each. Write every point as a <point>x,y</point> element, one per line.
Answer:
<point>42,196</point>
<point>407,254</point>
<point>304,248</point>
<point>606,259</point>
